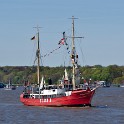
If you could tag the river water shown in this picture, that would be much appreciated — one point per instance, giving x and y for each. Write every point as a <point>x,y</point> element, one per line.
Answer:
<point>107,108</point>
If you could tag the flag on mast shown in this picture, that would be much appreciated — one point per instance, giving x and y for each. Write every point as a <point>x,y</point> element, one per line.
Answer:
<point>33,38</point>
<point>62,41</point>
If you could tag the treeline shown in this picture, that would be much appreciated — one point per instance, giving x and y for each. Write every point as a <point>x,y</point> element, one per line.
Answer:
<point>19,74</point>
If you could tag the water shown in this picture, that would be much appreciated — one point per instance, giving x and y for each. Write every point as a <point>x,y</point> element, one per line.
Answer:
<point>108,108</point>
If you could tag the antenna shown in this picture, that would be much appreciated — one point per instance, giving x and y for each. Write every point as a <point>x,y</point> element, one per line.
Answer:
<point>73,18</point>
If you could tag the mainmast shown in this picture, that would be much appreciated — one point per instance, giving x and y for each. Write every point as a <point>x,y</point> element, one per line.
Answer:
<point>73,54</point>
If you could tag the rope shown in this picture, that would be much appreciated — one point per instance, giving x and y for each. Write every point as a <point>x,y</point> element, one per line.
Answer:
<point>51,52</point>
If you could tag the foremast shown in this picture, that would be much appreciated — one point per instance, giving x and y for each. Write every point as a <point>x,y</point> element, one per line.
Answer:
<point>38,60</point>
<point>38,57</point>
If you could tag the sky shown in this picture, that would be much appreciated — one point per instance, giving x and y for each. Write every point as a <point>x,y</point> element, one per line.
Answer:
<point>100,22</point>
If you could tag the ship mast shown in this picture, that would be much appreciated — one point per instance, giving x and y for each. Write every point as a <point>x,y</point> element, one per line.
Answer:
<point>73,53</point>
<point>38,56</point>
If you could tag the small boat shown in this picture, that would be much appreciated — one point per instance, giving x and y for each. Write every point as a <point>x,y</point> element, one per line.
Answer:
<point>103,84</point>
<point>121,85</point>
<point>106,84</point>
<point>9,86</point>
<point>68,93</point>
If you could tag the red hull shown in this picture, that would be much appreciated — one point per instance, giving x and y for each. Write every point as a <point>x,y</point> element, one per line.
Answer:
<point>77,98</point>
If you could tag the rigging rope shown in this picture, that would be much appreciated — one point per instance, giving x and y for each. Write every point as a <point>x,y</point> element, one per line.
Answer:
<point>61,43</point>
<point>47,54</point>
